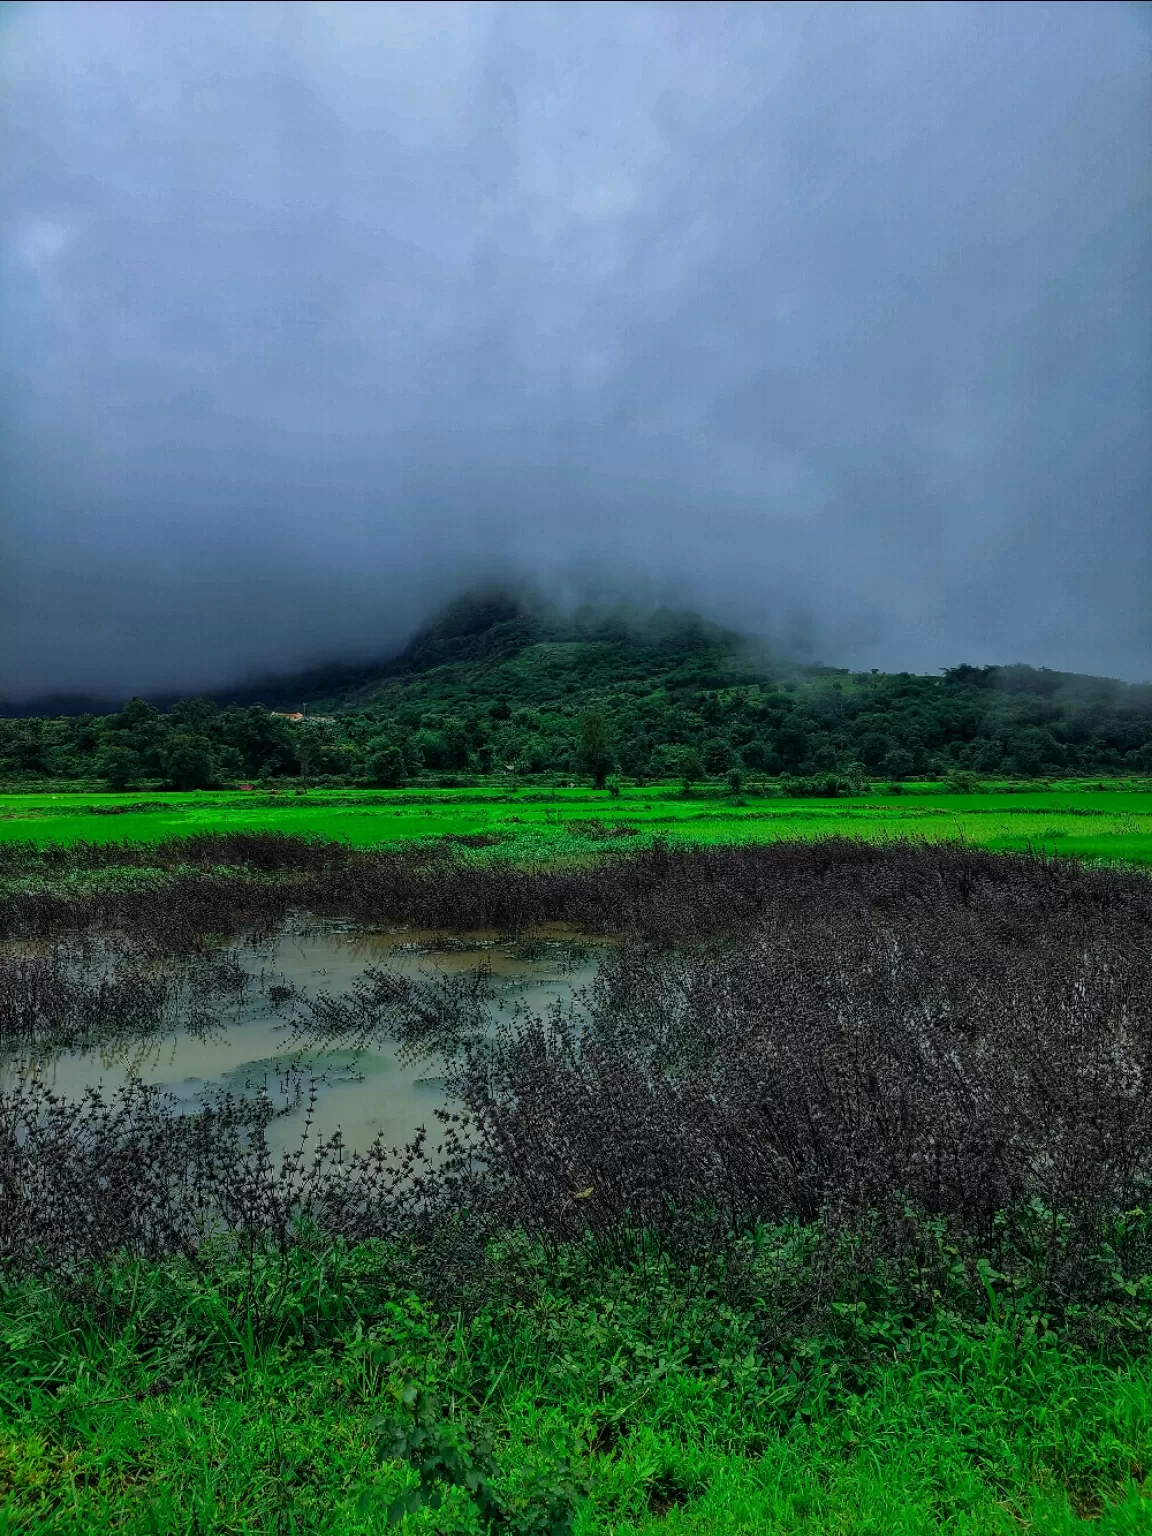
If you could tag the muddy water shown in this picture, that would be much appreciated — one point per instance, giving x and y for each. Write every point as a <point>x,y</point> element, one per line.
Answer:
<point>363,1093</point>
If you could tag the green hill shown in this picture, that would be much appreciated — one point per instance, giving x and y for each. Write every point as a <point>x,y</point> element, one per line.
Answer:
<point>496,684</point>
<point>494,648</point>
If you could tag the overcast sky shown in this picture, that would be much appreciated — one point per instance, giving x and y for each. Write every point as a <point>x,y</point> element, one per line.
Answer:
<point>832,320</point>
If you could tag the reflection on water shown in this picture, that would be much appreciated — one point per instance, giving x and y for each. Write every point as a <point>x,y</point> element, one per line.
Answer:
<point>362,1093</point>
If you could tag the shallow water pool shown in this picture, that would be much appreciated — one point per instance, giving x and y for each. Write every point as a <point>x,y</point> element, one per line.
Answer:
<point>365,1090</point>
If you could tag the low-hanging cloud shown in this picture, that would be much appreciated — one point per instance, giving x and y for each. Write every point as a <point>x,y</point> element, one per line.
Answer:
<point>835,320</point>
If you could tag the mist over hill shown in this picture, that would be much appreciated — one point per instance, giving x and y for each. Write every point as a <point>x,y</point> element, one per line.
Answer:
<point>500,682</point>
<point>834,319</point>
<point>516,639</point>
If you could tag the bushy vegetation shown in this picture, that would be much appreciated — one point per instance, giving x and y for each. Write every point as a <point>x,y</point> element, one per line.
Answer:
<point>792,1033</point>
<point>492,690</point>
<point>824,1209</point>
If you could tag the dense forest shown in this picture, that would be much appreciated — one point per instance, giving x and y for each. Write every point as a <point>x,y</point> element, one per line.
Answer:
<point>491,688</point>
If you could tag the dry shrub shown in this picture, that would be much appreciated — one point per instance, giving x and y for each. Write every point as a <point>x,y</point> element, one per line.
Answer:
<point>866,1038</point>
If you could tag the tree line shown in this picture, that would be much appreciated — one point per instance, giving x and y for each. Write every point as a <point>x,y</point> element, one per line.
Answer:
<point>822,725</point>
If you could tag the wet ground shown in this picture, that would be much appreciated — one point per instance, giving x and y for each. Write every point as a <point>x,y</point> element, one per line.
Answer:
<point>364,1092</point>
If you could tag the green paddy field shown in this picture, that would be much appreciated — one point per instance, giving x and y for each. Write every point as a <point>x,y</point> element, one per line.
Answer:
<point>1109,824</point>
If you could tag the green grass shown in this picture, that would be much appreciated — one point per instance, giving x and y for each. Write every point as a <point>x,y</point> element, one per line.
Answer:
<point>176,1398</point>
<point>1110,825</point>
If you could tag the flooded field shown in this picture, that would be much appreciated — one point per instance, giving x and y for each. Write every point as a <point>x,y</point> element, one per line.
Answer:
<point>766,1030</point>
<point>271,1035</point>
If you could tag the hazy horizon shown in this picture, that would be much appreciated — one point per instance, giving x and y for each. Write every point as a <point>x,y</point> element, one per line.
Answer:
<point>585,607</point>
<point>831,322</point>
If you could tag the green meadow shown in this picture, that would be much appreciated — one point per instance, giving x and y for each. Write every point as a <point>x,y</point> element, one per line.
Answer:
<point>1109,824</point>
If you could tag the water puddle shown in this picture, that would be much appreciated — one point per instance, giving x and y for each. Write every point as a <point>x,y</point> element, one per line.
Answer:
<point>362,1090</point>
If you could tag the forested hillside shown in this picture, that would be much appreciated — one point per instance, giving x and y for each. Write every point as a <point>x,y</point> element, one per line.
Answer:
<point>492,688</point>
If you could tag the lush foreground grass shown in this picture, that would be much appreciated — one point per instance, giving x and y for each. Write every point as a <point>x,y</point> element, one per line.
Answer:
<point>223,1396</point>
<point>1093,824</point>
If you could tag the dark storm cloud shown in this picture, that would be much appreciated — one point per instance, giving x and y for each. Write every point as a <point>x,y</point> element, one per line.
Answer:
<point>831,319</point>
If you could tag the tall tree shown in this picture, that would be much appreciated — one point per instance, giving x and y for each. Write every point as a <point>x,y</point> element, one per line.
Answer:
<point>595,751</point>
<point>189,761</point>
<point>117,765</point>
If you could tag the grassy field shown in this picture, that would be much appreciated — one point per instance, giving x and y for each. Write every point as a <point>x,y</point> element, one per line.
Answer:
<point>213,1398</point>
<point>1088,823</point>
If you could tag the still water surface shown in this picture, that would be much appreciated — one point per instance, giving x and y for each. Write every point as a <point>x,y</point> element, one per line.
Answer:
<point>363,1093</point>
